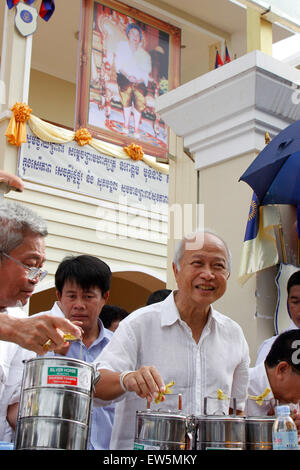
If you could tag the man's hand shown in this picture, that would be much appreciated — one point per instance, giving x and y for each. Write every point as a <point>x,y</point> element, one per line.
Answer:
<point>146,382</point>
<point>13,181</point>
<point>296,417</point>
<point>32,333</point>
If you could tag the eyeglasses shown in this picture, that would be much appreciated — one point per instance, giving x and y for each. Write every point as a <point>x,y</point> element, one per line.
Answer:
<point>32,273</point>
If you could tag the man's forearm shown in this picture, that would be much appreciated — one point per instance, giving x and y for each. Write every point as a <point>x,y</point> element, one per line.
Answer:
<point>108,387</point>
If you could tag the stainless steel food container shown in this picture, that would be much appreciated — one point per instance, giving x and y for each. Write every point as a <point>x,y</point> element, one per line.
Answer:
<point>55,405</point>
<point>163,430</point>
<point>220,432</point>
<point>259,432</point>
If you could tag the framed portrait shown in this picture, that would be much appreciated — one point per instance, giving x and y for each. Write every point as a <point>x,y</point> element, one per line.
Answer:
<point>127,60</point>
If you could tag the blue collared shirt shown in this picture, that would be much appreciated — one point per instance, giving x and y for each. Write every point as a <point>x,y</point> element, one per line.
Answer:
<point>102,417</point>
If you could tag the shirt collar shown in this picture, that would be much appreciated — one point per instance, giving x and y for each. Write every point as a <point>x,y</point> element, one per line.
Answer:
<point>56,310</point>
<point>104,334</point>
<point>170,313</point>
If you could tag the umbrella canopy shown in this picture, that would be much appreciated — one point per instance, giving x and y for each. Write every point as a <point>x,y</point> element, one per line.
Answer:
<point>274,175</point>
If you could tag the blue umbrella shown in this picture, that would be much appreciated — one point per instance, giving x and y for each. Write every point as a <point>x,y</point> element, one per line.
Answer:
<point>274,175</point>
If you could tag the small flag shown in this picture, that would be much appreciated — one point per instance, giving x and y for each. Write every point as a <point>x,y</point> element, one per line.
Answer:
<point>219,61</point>
<point>13,3</point>
<point>47,9</point>
<point>259,248</point>
<point>227,56</point>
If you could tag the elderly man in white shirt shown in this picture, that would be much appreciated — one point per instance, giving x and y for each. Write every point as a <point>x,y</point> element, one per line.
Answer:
<point>182,339</point>
<point>293,301</point>
<point>277,378</point>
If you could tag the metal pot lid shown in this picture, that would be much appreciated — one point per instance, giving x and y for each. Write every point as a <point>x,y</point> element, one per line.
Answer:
<point>262,419</point>
<point>59,359</point>
<point>221,418</point>
<point>164,413</point>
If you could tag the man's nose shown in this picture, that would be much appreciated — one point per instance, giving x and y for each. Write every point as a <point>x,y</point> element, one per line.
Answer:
<point>79,303</point>
<point>207,272</point>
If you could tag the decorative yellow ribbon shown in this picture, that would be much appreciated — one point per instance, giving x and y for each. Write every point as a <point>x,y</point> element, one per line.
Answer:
<point>166,392</point>
<point>51,133</point>
<point>221,395</point>
<point>134,151</point>
<point>260,398</point>
<point>82,136</point>
<point>16,129</point>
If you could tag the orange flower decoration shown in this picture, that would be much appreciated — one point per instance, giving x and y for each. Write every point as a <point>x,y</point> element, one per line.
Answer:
<point>16,130</point>
<point>134,151</point>
<point>82,136</point>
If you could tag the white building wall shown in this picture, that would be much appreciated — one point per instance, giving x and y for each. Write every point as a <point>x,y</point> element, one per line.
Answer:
<point>84,225</point>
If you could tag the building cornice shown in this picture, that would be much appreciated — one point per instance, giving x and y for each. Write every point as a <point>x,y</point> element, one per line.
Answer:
<point>226,112</point>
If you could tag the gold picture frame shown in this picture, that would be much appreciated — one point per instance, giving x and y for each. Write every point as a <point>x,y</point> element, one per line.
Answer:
<point>127,59</point>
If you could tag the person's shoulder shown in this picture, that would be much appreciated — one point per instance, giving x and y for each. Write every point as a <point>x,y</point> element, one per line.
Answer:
<point>108,333</point>
<point>136,314</point>
<point>268,341</point>
<point>225,320</point>
<point>264,348</point>
<point>16,312</point>
<point>144,313</point>
<point>253,371</point>
<point>55,311</point>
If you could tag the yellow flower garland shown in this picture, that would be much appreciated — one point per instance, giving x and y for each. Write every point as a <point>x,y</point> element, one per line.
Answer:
<point>82,136</point>
<point>16,130</point>
<point>134,151</point>
<point>16,135</point>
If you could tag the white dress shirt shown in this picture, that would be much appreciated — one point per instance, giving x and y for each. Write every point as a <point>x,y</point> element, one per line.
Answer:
<point>258,383</point>
<point>156,335</point>
<point>266,345</point>
<point>11,372</point>
<point>133,63</point>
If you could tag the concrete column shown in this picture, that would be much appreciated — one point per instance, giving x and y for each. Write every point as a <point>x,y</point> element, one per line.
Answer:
<point>259,32</point>
<point>15,72</point>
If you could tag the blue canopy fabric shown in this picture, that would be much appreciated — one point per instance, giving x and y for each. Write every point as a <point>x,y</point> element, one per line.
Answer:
<point>274,175</point>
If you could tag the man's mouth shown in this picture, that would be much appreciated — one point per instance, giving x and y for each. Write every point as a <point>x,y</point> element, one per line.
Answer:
<point>78,316</point>
<point>28,292</point>
<point>206,288</point>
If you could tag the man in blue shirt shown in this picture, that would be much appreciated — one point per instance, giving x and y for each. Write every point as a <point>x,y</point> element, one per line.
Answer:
<point>82,288</point>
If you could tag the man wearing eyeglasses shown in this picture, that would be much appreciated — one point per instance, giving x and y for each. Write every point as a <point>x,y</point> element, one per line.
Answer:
<point>22,254</point>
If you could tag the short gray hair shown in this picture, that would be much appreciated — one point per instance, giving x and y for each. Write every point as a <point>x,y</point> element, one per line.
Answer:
<point>16,222</point>
<point>180,247</point>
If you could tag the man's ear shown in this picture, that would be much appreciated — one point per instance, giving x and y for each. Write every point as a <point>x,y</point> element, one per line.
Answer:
<point>105,296</point>
<point>282,368</point>
<point>58,295</point>
<point>175,270</point>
